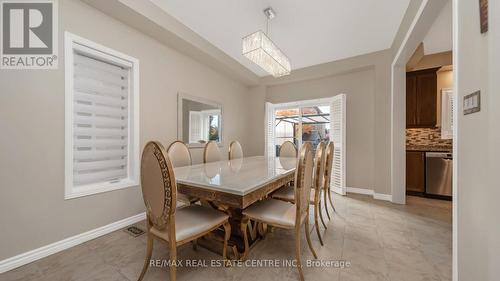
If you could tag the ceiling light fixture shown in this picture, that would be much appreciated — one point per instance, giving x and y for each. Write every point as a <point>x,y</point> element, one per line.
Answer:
<point>258,48</point>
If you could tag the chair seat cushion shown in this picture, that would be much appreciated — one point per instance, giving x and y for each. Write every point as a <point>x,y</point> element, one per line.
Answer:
<point>274,212</point>
<point>287,193</point>
<point>192,221</point>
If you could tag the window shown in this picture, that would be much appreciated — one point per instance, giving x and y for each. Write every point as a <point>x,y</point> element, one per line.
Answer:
<point>102,118</point>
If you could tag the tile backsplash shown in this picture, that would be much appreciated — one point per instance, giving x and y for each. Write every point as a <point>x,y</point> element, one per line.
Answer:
<point>426,136</point>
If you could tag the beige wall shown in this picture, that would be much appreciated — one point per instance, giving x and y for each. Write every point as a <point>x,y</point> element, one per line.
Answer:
<point>33,211</point>
<point>366,81</point>
<point>431,61</point>
<point>359,88</point>
<point>478,68</point>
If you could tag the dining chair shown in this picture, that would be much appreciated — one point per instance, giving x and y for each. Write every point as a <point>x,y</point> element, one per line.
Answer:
<point>179,155</point>
<point>282,214</point>
<point>211,152</point>
<point>287,193</point>
<point>235,150</point>
<point>330,148</point>
<point>288,149</point>
<point>164,221</point>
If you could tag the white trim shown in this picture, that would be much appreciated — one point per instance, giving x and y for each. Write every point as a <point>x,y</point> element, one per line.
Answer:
<point>398,189</point>
<point>356,190</point>
<point>73,42</point>
<point>36,254</point>
<point>305,103</point>
<point>455,129</point>
<point>366,191</point>
<point>381,196</point>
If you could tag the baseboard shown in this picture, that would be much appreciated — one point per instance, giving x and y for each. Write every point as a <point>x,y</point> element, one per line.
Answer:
<point>360,190</point>
<point>36,254</point>
<point>337,190</point>
<point>381,196</point>
<point>365,191</point>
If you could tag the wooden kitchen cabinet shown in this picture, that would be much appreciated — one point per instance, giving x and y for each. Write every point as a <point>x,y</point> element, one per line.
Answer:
<point>415,171</point>
<point>421,98</point>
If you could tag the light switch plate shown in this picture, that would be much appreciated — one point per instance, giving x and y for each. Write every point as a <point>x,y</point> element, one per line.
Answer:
<point>472,103</point>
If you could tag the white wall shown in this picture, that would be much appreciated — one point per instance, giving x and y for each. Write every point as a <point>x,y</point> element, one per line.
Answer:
<point>478,68</point>
<point>33,211</point>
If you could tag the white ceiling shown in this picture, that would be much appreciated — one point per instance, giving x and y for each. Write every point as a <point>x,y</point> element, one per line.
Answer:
<point>308,32</point>
<point>440,36</point>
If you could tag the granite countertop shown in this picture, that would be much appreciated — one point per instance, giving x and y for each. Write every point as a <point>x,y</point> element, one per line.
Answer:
<point>436,148</point>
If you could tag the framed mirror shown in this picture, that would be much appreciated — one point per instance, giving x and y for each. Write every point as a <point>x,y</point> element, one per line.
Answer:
<point>199,120</point>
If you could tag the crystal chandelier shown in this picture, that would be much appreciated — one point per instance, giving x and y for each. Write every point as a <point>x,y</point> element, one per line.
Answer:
<point>258,48</point>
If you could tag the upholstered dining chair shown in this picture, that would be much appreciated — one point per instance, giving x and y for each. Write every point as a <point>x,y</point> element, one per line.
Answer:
<point>164,221</point>
<point>179,155</point>
<point>287,193</point>
<point>235,150</point>
<point>288,149</point>
<point>211,152</point>
<point>283,214</point>
<point>328,176</point>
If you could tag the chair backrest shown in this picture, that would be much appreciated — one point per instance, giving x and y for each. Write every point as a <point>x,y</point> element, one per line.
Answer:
<point>159,189</point>
<point>235,150</point>
<point>211,152</point>
<point>303,181</point>
<point>319,169</point>
<point>288,149</point>
<point>179,154</point>
<point>328,166</point>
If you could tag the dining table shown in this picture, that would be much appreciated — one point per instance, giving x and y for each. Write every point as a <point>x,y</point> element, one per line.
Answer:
<point>231,186</point>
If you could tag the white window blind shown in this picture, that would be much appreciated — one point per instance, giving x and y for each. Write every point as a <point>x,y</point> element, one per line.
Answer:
<point>338,136</point>
<point>101,118</point>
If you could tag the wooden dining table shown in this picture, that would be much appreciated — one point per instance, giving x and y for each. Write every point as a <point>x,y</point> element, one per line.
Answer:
<point>231,186</point>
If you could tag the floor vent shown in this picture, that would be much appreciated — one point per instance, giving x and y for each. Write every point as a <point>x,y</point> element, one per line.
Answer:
<point>134,231</point>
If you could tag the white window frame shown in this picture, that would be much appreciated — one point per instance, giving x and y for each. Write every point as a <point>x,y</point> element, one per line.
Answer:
<point>73,42</point>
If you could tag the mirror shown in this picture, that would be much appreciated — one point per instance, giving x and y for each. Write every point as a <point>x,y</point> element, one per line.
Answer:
<point>199,120</point>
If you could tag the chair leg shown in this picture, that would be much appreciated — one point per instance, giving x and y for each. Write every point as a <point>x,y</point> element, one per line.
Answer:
<point>308,238</point>
<point>244,223</point>
<point>262,229</point>
<point>297,252</point>
<point>331,201</point>
<point>149,253</point>
<point>326,206</point>
<point>321,216</point>
<point>173,261</point>
<point>227,234</point>
<point>316,223</point>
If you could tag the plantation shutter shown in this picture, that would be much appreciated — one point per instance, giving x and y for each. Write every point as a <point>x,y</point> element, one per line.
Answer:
<point>447,114</point>
<point>338,136</point>
<point>270,149</point>
<point>195,127</point>
<point>100,121</point>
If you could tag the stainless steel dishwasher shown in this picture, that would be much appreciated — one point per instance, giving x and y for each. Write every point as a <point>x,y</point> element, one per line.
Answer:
<point>438,173</point>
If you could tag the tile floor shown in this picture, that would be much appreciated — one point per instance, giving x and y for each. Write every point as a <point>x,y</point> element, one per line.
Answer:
<point>382,241</point>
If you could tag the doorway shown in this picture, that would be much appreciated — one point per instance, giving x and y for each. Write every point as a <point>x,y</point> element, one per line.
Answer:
<point>311,121</point>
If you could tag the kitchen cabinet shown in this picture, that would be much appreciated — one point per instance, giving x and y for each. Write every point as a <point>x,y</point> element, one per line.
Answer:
<point>421,98</point>
<point>415,171</point>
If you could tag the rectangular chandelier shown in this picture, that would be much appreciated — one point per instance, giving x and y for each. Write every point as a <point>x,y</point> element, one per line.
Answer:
<point>258,48</point>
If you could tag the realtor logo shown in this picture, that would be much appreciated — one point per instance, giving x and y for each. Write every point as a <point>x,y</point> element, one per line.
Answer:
<point>29,34</point>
